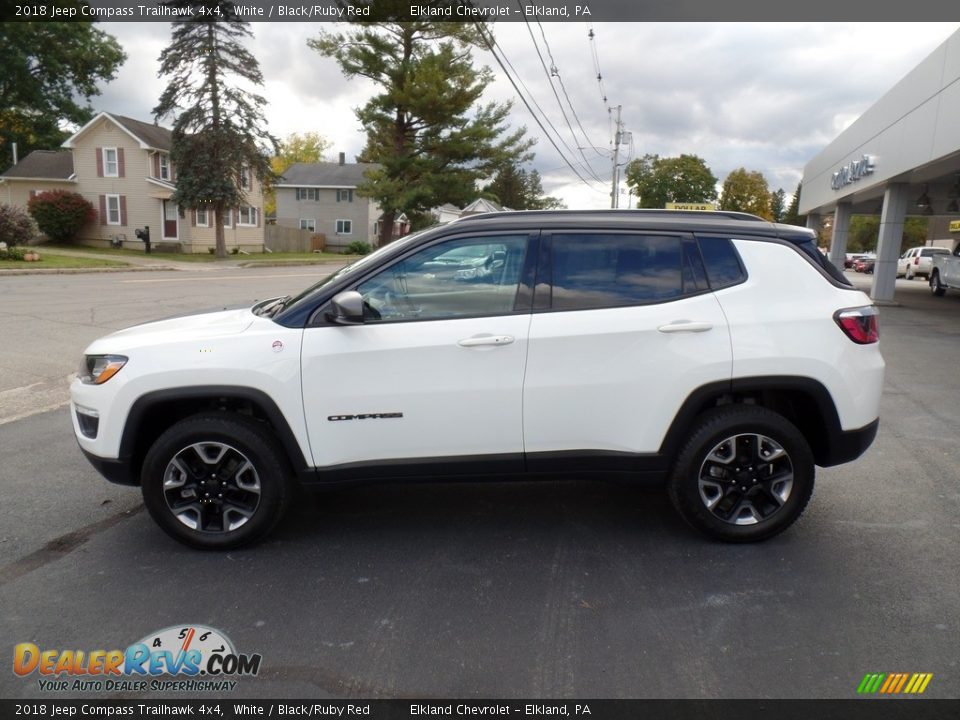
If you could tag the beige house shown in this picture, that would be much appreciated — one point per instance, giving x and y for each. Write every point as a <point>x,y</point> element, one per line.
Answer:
<point>122,167</point>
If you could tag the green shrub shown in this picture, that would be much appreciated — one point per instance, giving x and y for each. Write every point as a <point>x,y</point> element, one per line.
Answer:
<point>60,214</point>
<point>16,227</point>
<point>357,247</point>
<point>12,253</point>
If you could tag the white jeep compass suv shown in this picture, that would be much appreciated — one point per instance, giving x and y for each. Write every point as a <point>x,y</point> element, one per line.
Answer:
<point>717,352</point>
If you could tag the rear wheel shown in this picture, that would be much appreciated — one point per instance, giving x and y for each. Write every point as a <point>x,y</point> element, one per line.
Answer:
<point>935,286</point>
<point>907,274</point>
<point>215,481</point>
<point>746,474</point>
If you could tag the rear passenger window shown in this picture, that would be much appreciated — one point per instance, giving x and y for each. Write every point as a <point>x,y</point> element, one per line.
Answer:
<point>613,270</point>
<point>723,265</point>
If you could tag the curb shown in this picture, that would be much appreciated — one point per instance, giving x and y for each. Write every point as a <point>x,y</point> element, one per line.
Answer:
<point>82,271</point>
<point>287,263</point>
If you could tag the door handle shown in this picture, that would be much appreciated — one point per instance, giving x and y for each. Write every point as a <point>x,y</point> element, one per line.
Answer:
<point>678,326</point>
<point>486,340</point>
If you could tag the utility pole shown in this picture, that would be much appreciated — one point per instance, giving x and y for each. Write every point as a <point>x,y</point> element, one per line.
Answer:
<point>615,181</point>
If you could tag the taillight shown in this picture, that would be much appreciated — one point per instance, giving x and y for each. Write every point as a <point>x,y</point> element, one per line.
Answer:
<point>916,260</point>
<point>862,324</point>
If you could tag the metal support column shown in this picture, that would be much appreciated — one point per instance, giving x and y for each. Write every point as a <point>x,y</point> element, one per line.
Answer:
<point>841,231</point>
<point>888,243</point>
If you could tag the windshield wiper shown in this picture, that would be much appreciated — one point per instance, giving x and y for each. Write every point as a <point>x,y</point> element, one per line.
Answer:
<point>275,305</point>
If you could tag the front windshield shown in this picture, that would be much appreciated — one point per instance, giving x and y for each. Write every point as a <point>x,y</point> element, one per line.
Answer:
<point>357,265</point>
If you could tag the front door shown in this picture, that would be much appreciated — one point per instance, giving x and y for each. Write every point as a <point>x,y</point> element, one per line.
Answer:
<point>434,377</point>
<point>169,220</point>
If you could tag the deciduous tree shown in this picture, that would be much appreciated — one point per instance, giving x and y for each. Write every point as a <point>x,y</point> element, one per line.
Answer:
<point>658,181</point>
<point>51,70</point>
<point>425,125</point>
<point>746,191</point>
<point>219,131</point>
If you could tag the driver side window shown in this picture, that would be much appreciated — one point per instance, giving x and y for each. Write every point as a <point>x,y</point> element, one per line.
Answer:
<point>465,277</point>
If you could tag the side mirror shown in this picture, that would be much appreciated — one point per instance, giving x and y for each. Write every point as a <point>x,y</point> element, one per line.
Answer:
<point>347,308</point>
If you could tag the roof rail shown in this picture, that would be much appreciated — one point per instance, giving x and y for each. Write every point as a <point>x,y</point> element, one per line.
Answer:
<point>648,212</point>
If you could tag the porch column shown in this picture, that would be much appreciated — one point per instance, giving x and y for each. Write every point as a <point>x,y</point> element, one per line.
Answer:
<point>813,222</point>
<point>841,231</point>
<point>888,243</point>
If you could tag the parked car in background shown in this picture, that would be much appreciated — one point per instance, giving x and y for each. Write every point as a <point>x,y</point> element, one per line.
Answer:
<point>851,259</point>
<point>917,261</point>
<point>865,264</point>
<point>945,272</point>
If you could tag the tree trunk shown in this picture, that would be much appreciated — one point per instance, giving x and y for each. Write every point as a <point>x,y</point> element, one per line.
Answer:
<point>386,226</point>
<point>221,243</point>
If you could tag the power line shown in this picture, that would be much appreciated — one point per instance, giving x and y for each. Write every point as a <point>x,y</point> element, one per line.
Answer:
<point>550,74</point>
<point>596,62</point>
<point>553,67</point>
<point>493,47</point>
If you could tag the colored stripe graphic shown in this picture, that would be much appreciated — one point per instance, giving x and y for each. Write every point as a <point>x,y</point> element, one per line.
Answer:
<point>894,683</point>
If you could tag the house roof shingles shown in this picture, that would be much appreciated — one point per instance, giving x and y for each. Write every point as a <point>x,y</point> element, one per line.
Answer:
<point>155,136</point>
<point>43,164</point>
<point>325,174</point>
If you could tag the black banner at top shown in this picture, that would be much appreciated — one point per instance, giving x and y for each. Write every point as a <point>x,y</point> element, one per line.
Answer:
<point>319,11</point>
<point>239,709</point>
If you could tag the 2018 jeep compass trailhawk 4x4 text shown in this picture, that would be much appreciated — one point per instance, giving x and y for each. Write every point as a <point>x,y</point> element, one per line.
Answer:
<point>715,351</point>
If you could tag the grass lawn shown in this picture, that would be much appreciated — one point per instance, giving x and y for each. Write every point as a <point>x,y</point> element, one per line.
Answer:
<point>208,257</point>
<point>51,260</point>
<point>120,253</point>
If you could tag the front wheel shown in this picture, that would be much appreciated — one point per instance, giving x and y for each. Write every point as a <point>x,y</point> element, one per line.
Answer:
<point>936,287</point>
<point>745,474</point>
<point>215,481</point>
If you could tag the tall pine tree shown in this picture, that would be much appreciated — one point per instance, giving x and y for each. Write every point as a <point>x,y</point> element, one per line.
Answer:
<point>792,215</point>
<point>218,131</point>
<point>517,189</point>
<point>778,205</point>
<point>425,125</point>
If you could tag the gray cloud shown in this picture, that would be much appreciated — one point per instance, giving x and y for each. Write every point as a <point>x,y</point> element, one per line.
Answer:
<point>764,96</point>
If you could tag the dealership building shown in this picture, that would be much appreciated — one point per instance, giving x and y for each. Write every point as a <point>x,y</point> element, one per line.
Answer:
<point>900,158</point>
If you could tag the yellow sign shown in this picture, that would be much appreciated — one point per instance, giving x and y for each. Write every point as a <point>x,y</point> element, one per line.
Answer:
<point>691,206</point>
<point>955,226</point>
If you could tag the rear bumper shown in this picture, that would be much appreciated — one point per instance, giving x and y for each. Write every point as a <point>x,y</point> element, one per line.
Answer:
<point>848,445</point>
<point>116,470</point>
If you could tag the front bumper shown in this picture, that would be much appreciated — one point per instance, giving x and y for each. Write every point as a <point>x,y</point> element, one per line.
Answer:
<point>116,470</point>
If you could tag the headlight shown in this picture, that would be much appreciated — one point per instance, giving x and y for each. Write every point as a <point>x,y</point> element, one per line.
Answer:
<point>97,369</point>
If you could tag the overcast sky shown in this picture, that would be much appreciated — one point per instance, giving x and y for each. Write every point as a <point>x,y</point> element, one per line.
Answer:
<point>765,96</point>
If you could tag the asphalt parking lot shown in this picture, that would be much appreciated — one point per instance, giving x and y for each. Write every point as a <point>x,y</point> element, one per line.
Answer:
<point>554,590</point>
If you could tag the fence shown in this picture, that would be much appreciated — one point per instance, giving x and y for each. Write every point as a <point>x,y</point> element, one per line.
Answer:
<point>291,240</point>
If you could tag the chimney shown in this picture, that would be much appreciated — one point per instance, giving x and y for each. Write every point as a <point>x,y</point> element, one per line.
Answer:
<point>343,158</point>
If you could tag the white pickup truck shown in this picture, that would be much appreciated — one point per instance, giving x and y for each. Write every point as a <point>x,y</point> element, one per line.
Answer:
<point>945,272</point>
